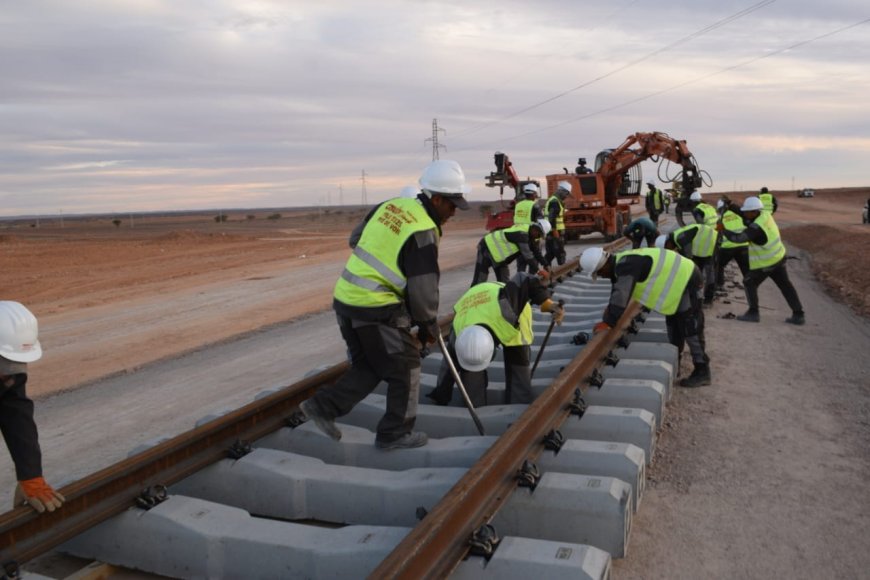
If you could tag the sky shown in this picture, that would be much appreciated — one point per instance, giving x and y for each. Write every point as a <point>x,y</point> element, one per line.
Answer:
<point>151,105</point>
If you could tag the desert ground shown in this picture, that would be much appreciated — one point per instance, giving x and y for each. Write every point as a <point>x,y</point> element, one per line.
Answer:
<point>150,327</point>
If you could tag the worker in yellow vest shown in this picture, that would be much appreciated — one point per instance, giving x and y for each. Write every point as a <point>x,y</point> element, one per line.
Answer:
<point>389,284</point>
<point>499,248</point>
<point>526,211</point>
<point>655,202</point>
<point>703,212</point>
<point>660,280</point>
<point>486,316</point>
<point>768,200</point>
<point>555,241</point>
<point>698,243</point>
<point>728,250</point>
<point>766,259</point>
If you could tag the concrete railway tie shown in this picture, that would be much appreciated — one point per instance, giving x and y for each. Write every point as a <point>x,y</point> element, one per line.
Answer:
<point>298,504</point>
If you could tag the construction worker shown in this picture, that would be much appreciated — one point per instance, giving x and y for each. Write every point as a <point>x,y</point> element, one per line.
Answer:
<point>526,211</point>
<point>581,168</point>
<point>703,212</point>
<point>654,202</point>
<point>768,200</point>
<point>696,242</point>
<point>499,248</point>
<point>556,215</point>
<point>728,250</point>
<point>660,280</point>
<point>487,315</point>
<point>666,200</point>
<point>641,229</point>
<point>766,259</point>
<point>390,282</point>
<point>19,346</point>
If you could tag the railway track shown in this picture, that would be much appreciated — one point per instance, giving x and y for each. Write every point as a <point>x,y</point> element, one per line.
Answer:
<point>551,490</point>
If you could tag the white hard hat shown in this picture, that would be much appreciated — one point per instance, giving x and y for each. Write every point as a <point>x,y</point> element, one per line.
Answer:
<point>530,188</point>
<point>545,226</point>
<point>695,196</point>
<point>566,185</point>
<point>18,333</point>
<point>592,259</point>
<point>410,191</point>
<point>720,204</point>
<point>474,348</point>
<point>752,204</point>
<point>444,177</point>
<point>660,241</point>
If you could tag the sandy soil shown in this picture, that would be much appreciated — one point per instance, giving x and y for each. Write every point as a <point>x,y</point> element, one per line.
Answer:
<point>761,475</point>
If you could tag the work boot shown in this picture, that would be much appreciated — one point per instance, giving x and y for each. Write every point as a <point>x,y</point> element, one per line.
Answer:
<point>699,377</point>
<point>437,399</point>
<point>750,316</point>
<point>406,441</point>
<point>311,411</point>
<point>797,318</point>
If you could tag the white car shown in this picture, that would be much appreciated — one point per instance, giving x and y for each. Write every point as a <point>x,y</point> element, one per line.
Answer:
<point>807,192</point>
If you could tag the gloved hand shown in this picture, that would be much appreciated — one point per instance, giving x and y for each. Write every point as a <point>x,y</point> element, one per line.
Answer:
<point>427,332</point>
<point>555,233</point>
<point>556,309</point>
<point>38,494</point>
<point>544,274</point>
<point>600,327</point>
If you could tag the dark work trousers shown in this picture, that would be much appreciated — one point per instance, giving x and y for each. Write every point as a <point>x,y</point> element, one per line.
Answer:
<point>555,249</point>
<point>378,352</point>
<point>739,254</point>
<point>19,428</point>
<point>522,264</point>
<point>708,272</point>
<point>686,325</point>
<point>779,275</point>
<point>638,238</point>
<point>518,380</point>
<point>484,263</point>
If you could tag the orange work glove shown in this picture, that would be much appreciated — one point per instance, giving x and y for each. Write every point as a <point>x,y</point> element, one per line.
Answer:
<point>38,494</point>
<point>555,309</point>
<point>543,274</point>
<point>600,327</point>
<point>555,233</point>
<point>720,226</point>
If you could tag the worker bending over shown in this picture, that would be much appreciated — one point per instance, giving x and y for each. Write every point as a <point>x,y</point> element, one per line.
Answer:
<point>499,248</point>
<point>696,242</point>
<point>641,229</point>
<point>19,346</point>
<point>766,259</point>
<point>660,280</point>
<point>390,282</point>
<point>556,214</point>
<point>728,250</point>
<point>487,315</point>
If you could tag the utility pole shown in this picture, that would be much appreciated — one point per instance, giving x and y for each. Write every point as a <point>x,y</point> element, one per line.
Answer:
<point>340,194</point>
<point>792,182</point>
<point>363,178</point>
<point>434,139</point>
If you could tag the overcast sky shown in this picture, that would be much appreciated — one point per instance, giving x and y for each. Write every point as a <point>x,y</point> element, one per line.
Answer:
<point>117,106</point>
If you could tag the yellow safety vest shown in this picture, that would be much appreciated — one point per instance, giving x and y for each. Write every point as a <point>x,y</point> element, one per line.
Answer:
<point>732,223</point>
<point>500,248</point>
<point>766,201</point>
<point>667,280</point>
<point>710,215</point>
<point>657,198</point>
<point>480,305</point>
<point>704,242</point>
<point>523,212</point>
<point>771,252</point>
<point>560,218</point>
<point>372,277</point>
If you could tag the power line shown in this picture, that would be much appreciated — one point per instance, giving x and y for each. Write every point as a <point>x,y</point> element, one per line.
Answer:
<point>678,42</point>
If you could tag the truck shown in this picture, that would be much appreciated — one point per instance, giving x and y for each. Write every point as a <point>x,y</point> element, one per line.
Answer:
<point>601,199</point>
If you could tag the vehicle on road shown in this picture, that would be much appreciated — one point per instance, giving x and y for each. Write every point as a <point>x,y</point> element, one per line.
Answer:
<point>807,192</point>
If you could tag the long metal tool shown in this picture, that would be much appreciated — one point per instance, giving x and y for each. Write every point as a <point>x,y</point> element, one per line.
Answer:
<point>458,380</point>
<point>544,343</point>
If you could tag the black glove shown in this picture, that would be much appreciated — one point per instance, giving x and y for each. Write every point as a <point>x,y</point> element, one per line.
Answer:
<point>427,332</point>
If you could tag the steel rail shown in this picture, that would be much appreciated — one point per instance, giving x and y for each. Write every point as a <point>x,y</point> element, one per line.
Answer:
<point>441,540</point>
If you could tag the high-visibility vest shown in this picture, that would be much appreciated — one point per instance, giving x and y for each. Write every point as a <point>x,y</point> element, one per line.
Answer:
<point>657,198</point>
<point>560,218</point>
<point>710,215</point>
<point>372,277</point>
<point>771,252</point>
<point>732,223</point>
<point>481,305</point>
<point>766,201</point>
<point>704,242</point>
<point>667,280</point>
<point>500,248</point>
<point>523,211</point>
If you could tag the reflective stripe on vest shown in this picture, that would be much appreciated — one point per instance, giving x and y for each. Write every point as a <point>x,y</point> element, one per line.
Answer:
<point>732,223</point>
<point>523,212</point>
<point>500,248</point>
<point>481,305</point>
<point>560,219</point>
<point>771,252</point>
<point>766,201</point>
<point>710,215</point>
<point>704,242</point>
<point>667,280</point>
<point>371,277</point>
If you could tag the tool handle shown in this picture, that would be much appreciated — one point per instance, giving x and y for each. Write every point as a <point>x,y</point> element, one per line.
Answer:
<point>458,380</point>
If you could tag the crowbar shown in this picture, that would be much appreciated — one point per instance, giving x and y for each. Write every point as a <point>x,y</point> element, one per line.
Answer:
<point>458,380</point>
